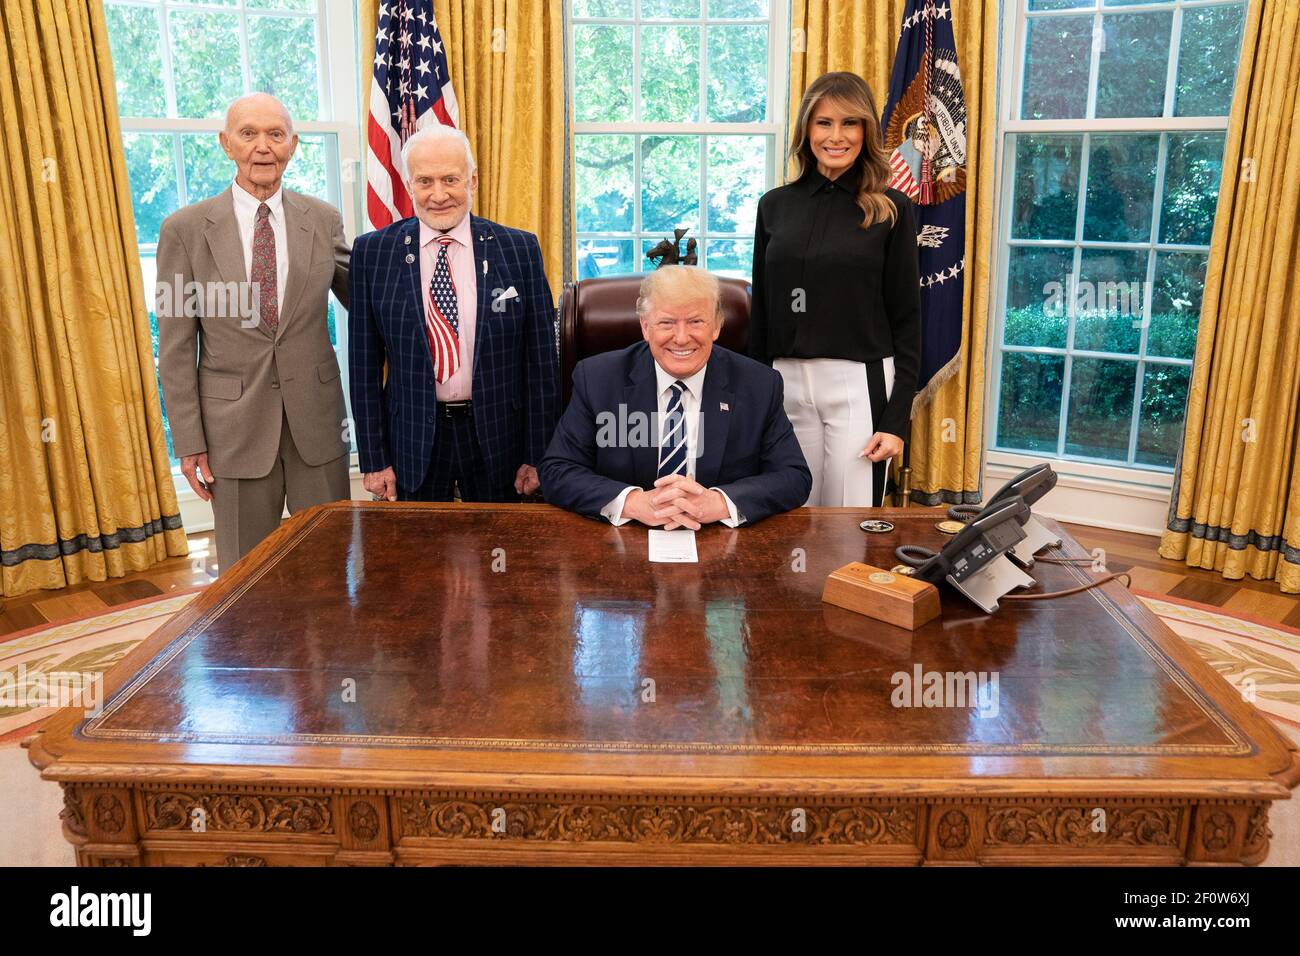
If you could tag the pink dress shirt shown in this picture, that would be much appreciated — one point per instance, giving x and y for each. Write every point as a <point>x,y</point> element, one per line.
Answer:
<point>460,259</point>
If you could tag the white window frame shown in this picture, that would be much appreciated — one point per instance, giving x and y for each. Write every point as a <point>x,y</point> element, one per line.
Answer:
<point>1094,477</point>
<point>778,87</point>
<point>338,96</point>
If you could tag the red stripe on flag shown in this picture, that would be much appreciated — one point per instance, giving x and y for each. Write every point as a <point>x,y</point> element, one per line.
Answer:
<point>440,111</point>
<point>382,148</point>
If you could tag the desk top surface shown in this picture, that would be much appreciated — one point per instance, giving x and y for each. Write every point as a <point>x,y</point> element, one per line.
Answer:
<point>452,640</point>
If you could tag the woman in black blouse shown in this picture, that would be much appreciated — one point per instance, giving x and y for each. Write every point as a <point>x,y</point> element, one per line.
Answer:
<point>837,297</point>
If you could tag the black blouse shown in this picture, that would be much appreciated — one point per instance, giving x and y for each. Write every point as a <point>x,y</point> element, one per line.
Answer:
<point>826,288</point>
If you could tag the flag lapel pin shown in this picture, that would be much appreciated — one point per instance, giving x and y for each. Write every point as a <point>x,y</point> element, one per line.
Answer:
<point>724,407</point>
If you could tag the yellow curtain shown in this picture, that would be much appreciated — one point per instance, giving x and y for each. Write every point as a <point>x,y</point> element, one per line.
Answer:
<point>85,485</point>
<point>507,68</point>
<point>1236,501</point>
<point>947,431</point>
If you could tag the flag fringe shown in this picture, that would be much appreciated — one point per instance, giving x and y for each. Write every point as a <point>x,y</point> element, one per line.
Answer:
<point>937,382</point>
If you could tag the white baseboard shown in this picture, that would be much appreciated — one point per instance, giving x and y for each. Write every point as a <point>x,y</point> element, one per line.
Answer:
<point>1084,494</point>
<point>1093,496</point>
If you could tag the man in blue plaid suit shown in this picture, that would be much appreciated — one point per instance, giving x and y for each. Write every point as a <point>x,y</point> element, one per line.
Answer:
<point>460,309</point>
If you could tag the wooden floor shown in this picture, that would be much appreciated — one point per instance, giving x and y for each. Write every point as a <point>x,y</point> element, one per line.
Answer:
<point>1125,551</point>
<point>37,608</point>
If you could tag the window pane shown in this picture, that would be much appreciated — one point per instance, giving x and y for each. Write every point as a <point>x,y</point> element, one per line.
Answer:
<point>665,9</point>
<point>1108,302</point>
<point>151,170</point>
<point>135,39</point>
<point>205,61</point>
<point>1134,64</point>
<point>600,257</point>
<point>602,89</point>
<point>737,74</point>
<point>306,172</point>
<point>1121,180</point>
<point>1192,174</point>
<point>670,183</point>
<point>303,6</point>
<point>1060,4</point>
<point>1029,402</point>
<point>1057,58</point>
<point>737,176</point>
<point>282,54</point>
<point>602,8</point>
<point>736,9</point>
<point>1038,285</point>
<point>207,169</point>
<point>1207,60</point>
<point>210,3</point>
<point>670,74</point>
<point>1176,303</point>
<point>1160,420</point>
<point>1047,186</point>
<point>604,192</point>
<point>1100,416</point>
<point>730,257</point>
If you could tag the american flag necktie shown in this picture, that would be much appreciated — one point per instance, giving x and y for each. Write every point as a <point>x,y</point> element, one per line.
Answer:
<point>672,447</point>
<point>264,275</point>
<point>442,317</point>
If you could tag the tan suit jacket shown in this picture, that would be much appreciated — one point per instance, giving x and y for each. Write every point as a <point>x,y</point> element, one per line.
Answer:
<point>227,382</point>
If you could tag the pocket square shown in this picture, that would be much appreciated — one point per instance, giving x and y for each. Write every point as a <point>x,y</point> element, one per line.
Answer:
<point>510,293</point>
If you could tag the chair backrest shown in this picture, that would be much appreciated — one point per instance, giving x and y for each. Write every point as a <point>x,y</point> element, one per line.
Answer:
<point>599,315</point>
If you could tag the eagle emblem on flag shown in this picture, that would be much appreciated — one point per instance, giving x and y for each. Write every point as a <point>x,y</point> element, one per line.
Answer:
<point>924,128</point>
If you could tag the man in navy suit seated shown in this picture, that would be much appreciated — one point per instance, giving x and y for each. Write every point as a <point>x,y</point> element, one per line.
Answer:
<point>460,310</point>
<point>673,431</point>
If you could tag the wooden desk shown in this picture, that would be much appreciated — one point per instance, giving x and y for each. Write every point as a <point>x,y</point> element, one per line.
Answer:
<point>470,684</point>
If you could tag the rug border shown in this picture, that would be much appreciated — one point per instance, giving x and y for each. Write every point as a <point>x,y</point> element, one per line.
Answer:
<point>107,609</point>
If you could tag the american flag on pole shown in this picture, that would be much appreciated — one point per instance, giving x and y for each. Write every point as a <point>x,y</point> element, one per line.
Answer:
<point>925,131</point>
<point>411,88</point>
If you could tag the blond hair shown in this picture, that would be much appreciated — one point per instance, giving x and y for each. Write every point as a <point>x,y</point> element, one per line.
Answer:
<point>851,93</point>
<point>678,284</point>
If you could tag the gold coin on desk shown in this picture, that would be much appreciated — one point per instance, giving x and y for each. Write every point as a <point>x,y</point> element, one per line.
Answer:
<point>876,526</point>
<point>950,526</point>
<point>903,569</point>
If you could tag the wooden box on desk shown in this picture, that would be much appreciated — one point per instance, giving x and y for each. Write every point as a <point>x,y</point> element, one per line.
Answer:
<point>896,599</point>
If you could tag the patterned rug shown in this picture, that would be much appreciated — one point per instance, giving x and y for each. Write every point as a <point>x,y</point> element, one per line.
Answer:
<point>89,645</point>
<point>1258,656</point>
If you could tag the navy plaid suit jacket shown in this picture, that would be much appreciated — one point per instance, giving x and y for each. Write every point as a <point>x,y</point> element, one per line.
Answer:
<point>515,385</point>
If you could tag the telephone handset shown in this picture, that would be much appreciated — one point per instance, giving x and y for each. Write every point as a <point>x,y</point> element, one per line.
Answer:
<point>974,560</point>
<point>1030,486</point>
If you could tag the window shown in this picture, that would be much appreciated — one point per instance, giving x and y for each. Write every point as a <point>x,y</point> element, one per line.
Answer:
<point>177,64</point>
<point>678,123</point>
<point>1112,159</point>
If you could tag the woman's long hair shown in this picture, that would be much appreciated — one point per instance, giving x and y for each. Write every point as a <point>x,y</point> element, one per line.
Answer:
<point>851,93</point>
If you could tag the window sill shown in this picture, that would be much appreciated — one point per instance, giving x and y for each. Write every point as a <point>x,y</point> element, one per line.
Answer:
<point>1099,496</point>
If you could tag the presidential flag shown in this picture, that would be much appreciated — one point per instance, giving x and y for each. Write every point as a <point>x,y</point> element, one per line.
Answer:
<point>410,88</point>
<point>925,133</point>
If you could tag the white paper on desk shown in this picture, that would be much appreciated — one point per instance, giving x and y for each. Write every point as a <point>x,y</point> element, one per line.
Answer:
<point>677,547</point>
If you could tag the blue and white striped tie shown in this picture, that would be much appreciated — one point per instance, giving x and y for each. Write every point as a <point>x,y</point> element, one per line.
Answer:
<point>672,447</point>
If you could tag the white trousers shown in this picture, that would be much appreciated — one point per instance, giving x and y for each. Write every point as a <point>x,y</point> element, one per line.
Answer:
<point>828,401</point>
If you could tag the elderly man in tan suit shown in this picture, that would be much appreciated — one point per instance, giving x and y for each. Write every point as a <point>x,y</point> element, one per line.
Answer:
<point>249,377</point>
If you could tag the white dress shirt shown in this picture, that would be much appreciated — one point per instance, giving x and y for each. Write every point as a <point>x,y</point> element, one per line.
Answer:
<point>691,397</point>
<point>460,263</point>
<point>246,205</point>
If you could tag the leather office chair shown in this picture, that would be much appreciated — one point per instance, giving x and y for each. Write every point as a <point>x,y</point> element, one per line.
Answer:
<point>598,315</point>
